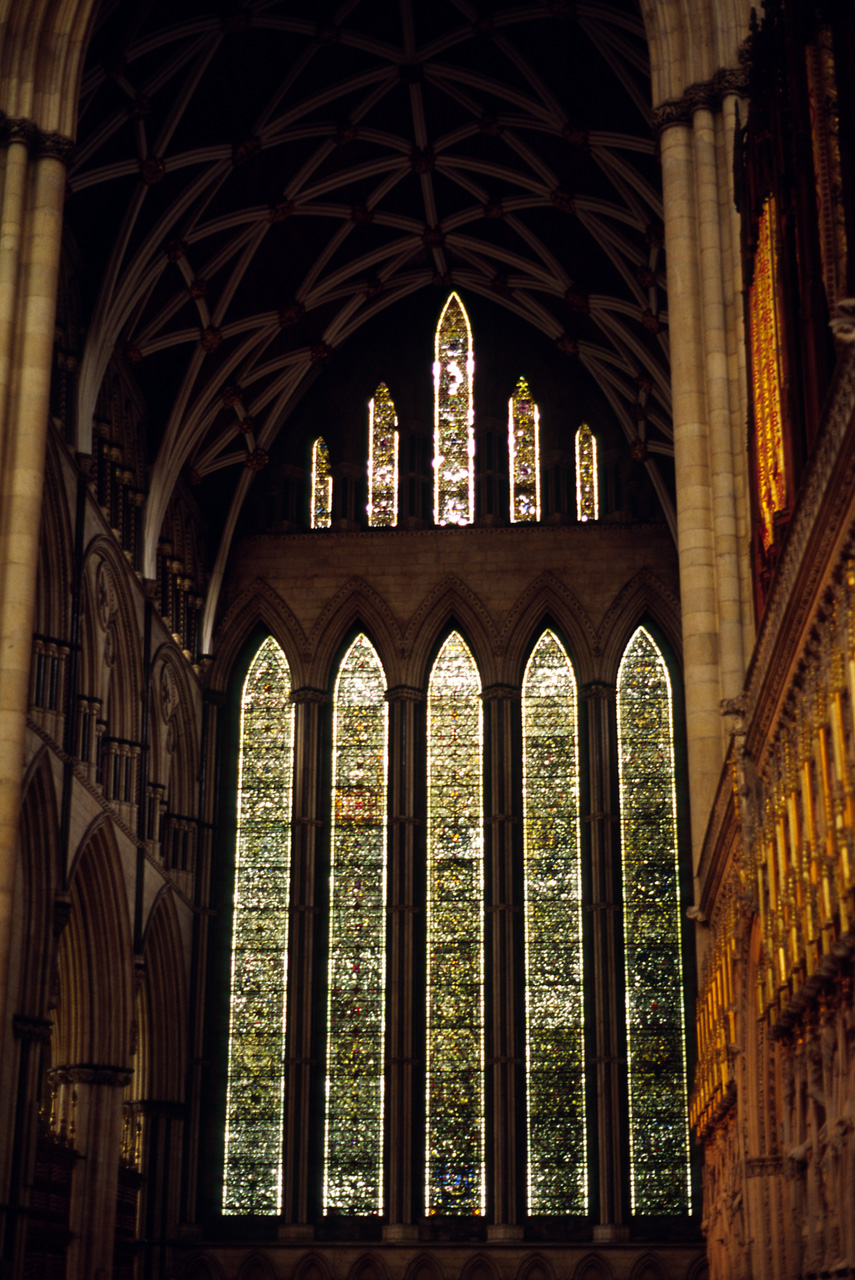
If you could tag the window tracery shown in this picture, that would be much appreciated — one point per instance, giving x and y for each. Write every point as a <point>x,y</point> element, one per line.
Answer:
<point>454,417</point>
<point>382,460</point>
<point>524,454</point>
<point>656,1040</point>
<point>256,1045</point>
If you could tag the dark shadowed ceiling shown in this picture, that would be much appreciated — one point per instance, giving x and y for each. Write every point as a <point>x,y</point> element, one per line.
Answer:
<point>260,190</point>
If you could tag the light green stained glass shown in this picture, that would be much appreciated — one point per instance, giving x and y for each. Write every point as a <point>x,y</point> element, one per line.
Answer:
<point>557,1177</point>
<point>382,460</point>
<point>587,489</point>
<point>355,1007</point>
<point>659,1135</point>
<point>321,486</point>
<point>254,1094</point>
<point>524,454</point>
<point>454,417</point>
<point>454,1174</point>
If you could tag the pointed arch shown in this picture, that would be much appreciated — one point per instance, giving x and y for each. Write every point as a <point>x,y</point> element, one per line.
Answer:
<point>453,416</point>
<point>369,1267</point>
<point>202,1267</point>
<point>162,1053</point>
<point>313,1266</point>
<point>353,1134</point>
<point>649,1267</point>
<point>451,604</point>
<point>356,605</point>
<point>252,1181</point>
<point>548,602</point>
<point>256,1267</point>
<point>258,604</point>
<point>655,1026</point>
<point>423,1267</point>
<point>454,1174</point>
<point>537,1267</point>
<point>42,875</point>
<point>554,995</point>
<point>593,1267</point>
<point>382,460</point>
<point>480,1267</point>
<point>644,595</point>
<point>321,512</point>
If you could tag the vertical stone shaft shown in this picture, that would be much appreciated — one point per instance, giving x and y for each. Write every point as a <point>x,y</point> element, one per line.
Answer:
<point>404,1004</point>
<point>307,973</point>
<point>30,230</point>
<point>504,1063</point>
<point>601,819</point>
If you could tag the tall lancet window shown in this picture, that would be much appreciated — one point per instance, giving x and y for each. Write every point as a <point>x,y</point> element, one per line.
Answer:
<point>321,486</point>
<point>382,460</point>
<point>454,417</point>
<point>557,1179</point>
<point>454,1175</point>
<point>587,490</point>
<point>355,1004</point>
<point>254,1092</point>
<point>524,454</point>
<point>656,1041</point>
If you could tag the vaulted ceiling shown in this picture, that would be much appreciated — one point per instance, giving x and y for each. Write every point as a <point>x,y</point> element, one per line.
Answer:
<point>256,185</point>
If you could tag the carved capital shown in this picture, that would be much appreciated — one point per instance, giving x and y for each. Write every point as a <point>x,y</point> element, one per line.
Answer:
<point>308,694</point>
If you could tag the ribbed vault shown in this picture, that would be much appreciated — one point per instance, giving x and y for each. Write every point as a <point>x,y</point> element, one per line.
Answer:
<point>254,185</point>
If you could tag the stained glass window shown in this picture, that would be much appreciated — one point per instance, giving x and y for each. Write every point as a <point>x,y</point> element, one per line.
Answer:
<point>454,417</point>
<point>254,1094</point>
<point>382,460</point>
<point>557,1175</point>
<point>355,1003</point>
<point>321,486</point>
<point>524,454</point>
<point>587,491</point>
<point>659,1151</point>
<point>454,1174</point>
<point>764,312</point>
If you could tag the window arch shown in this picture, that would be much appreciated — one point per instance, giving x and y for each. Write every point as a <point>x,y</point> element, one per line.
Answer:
<point>454,1173</point>
<point>655,1024</point>
<point>321,514</point>
<point>524,454</point>
<point>256,1041</point>
<point>454,416</point>
<point>353,1134</point>
<point>556,1140</point>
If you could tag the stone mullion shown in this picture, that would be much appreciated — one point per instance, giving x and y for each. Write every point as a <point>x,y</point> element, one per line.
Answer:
<point>302,1148</point>
<point>404,1081</point>
<point>609,1033</point>
<point>503,1059</point>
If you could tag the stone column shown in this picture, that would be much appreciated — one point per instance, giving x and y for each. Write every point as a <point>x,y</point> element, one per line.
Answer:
<point>33,190</point>
<point>609,1033</point>
<point>404,1002</point>
<point>503,907</point>
<point>305,974</point>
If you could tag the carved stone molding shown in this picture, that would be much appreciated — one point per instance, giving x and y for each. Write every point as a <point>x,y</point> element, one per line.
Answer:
<point>704,94</point>
<point>39,142</point>
<point>91,1073</point>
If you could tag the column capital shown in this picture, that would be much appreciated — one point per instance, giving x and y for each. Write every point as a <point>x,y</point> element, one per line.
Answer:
<point>308,694</point>
<point>404,693</point>
<point>501,693</point>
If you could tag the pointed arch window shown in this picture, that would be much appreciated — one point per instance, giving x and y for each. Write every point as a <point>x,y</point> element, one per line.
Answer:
<point>382,460</point>
<point>454,1174</point>
<point>557,1165</point>
<point>353,1165</point>
<point>454,417</point>
<point>655,1026</point>
<point>766,373</point>
<point>587,488</point>
<point>321,485</point>
<point>256,1044</point>
<point>524,454</point>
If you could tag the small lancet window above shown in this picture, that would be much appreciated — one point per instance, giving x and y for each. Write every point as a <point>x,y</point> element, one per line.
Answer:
<point>382,460</point>
<point>321,485</point>
<point>524,454</point>
<point>767,382</point>
<point>587,489</point>
<point>454,417</point>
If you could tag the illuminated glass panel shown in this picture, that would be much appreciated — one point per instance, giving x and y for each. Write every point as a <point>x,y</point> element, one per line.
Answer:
<point>454,417</point>
<point>524,454</point>
<point>254,1094</point>
<point>557,1178</point>
<point>382,460</point>
<point>587,492</point>
<point>454,1174</point>
<point>321,486</point>
<point>764,311</point>
<point>659,1139</point>
<point>355,1008</point>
